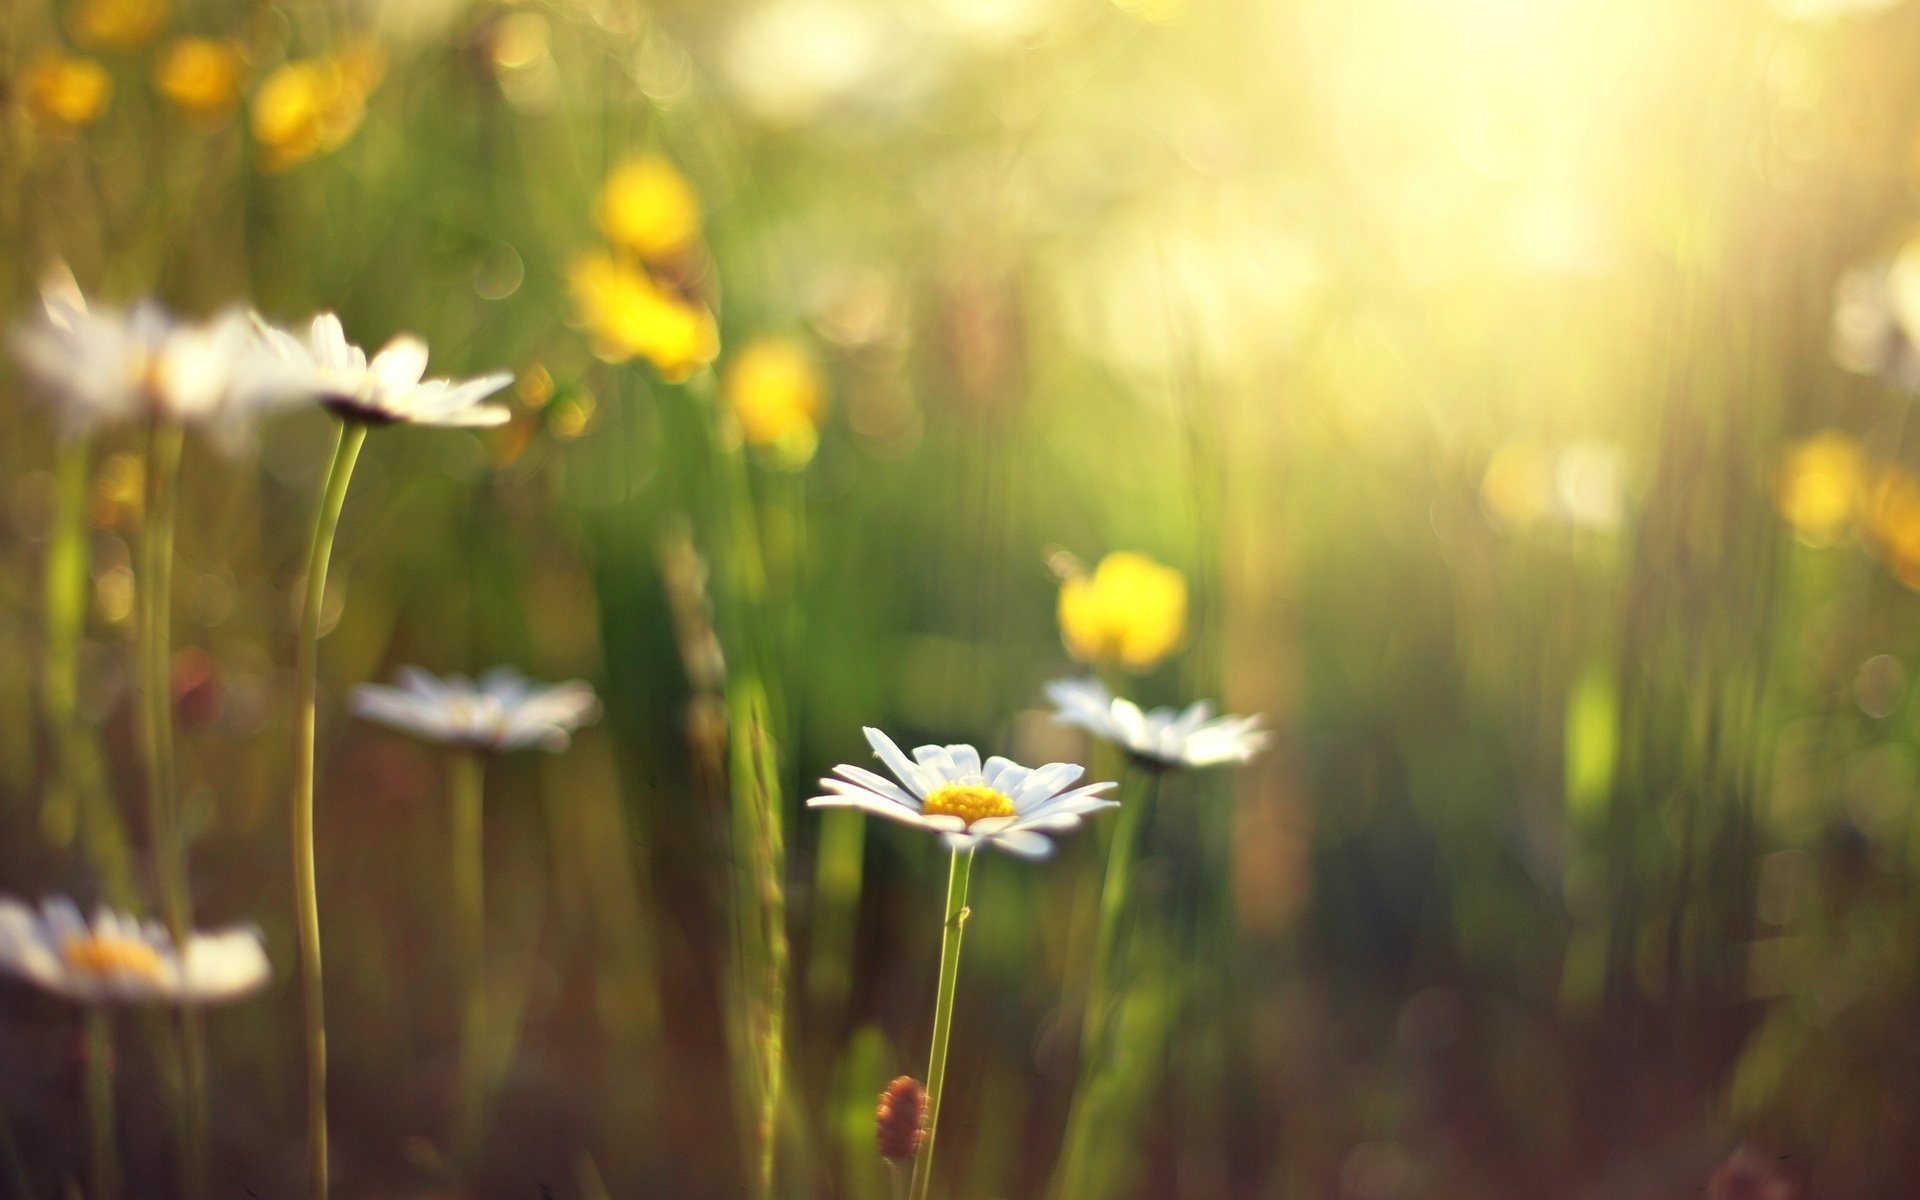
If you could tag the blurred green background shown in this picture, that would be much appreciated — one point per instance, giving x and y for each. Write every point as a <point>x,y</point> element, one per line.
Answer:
<point>1452,351</point>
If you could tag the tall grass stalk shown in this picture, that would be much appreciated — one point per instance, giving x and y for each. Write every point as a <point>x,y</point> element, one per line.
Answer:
<point>1106,987</point>
<point>100,1123</point>
<point>351,436</point>
<point>166,440</point>
<point>466,787</point>
<point>951,931</point>
<point>760,848</point>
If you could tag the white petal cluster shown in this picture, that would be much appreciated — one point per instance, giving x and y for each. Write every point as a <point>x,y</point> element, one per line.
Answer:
<point>389,388</point>
<point>1031,802</point>
<point>116,958</point>
<point>105,366</point>
<point>1189,737</point>
<point>502,710</point>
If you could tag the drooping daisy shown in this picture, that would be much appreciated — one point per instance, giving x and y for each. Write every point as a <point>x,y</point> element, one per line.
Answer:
<point>110,364</point>
<point>387,389</point>
<point>1162,737</point>
<point>117,958</point>
<point>948,790</point>
<point>502,710</point>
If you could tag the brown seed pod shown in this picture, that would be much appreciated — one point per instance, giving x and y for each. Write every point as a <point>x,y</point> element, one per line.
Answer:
<point>899,1122</point>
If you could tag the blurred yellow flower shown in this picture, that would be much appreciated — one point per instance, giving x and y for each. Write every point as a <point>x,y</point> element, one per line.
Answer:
<point>1892,519</point>
<point>1131,610</point>
<point>776,394</point>
<point>1820,487</point>
<point>647,206</point>
<point>116,24</point>
<point>67,92</point>
<point>201,77</point>
<point>630,315</point>
<point>312,106</point>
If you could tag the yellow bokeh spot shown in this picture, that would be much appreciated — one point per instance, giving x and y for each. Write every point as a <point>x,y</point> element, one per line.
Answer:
<point>1821,484</point>
<point>1517,487</point>
<point>1131,610</point>
<point>1892,519</point>
<point>201,77</point>
<point>312,106</point>
<point>106,957</point>
<point>647,207</point>
<point>629,315</point>
<point>775,392</point>
<point>67,92</point>
<point>969,801</point>
<point>116,24</point>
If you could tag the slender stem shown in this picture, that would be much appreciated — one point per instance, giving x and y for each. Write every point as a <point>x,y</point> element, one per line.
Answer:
<point>166,439</point>
<point>100,1125</point>
<point>306,894</point>
<point>466,787</point>
<point>64,597</point>
<point>760,846</point>
<point>955,925</point>
<point>1105,987</point>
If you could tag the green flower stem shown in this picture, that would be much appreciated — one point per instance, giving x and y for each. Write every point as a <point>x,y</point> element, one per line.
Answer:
<point>760,845</point>
<point>64,599</point>
<point>951,931</point>
<point>305,893</point>
<point>466,787</point>
<point>1106,988</point>
<point>166,439</point>
<point>100,1125</point>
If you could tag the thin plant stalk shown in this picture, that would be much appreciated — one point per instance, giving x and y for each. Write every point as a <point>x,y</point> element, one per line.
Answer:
<point>952,929</point>
<point>1105,988</point>
<point>166,440</point>
<point>352,436</point>
<point>466,787</point>
<point>760,844</point>
<point>100,1123</point>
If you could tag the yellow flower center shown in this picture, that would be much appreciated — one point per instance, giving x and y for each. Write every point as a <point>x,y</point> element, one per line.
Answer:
<point>101,957</point>
<point>969,801</point>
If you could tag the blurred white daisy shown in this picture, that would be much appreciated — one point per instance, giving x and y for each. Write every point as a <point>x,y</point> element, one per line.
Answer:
<point>389,388</point>
<point>116,958</point>
<point>502,710</point>
<point>105,365</point>
<point>1168,737</point>
<point>946,789</point>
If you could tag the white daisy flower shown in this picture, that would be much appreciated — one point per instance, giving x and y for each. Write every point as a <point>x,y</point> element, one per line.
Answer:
<point>388,390</point>
<point>117,958</point>
<point>502,710</point>
<point>1164,737</point>
<point>109,364</point>
<point>946,789</point>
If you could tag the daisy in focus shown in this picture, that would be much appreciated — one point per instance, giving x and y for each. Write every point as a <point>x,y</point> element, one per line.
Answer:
<point>949,791</point>
<point>119,959</point>
<point>105,365</point>
<point>387,389</point>
<point>1160,737</point>
<point>502,710</point>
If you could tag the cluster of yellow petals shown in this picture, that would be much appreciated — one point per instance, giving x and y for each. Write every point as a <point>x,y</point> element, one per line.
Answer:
<point>116,24</point>
<point>66,92</point>
<point>775,392</point>
<point>1131,611</point>
<point>1830,488</point>
<point>630,315</point>
<point>201,77</point>
<point>647,208</point>
<point>312,106</point>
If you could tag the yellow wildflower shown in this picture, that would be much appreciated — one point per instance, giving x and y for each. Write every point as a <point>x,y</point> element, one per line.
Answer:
<point>116,24</point>
<point>201,77</point>
<point>1820,487</point>
<point>1892,518</point>
<point>776,394</point>
<point>647,206</point>
<point>1131,610</point>
<point>67,92</point>
<point>312,106</point>
<point>630,315</point>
